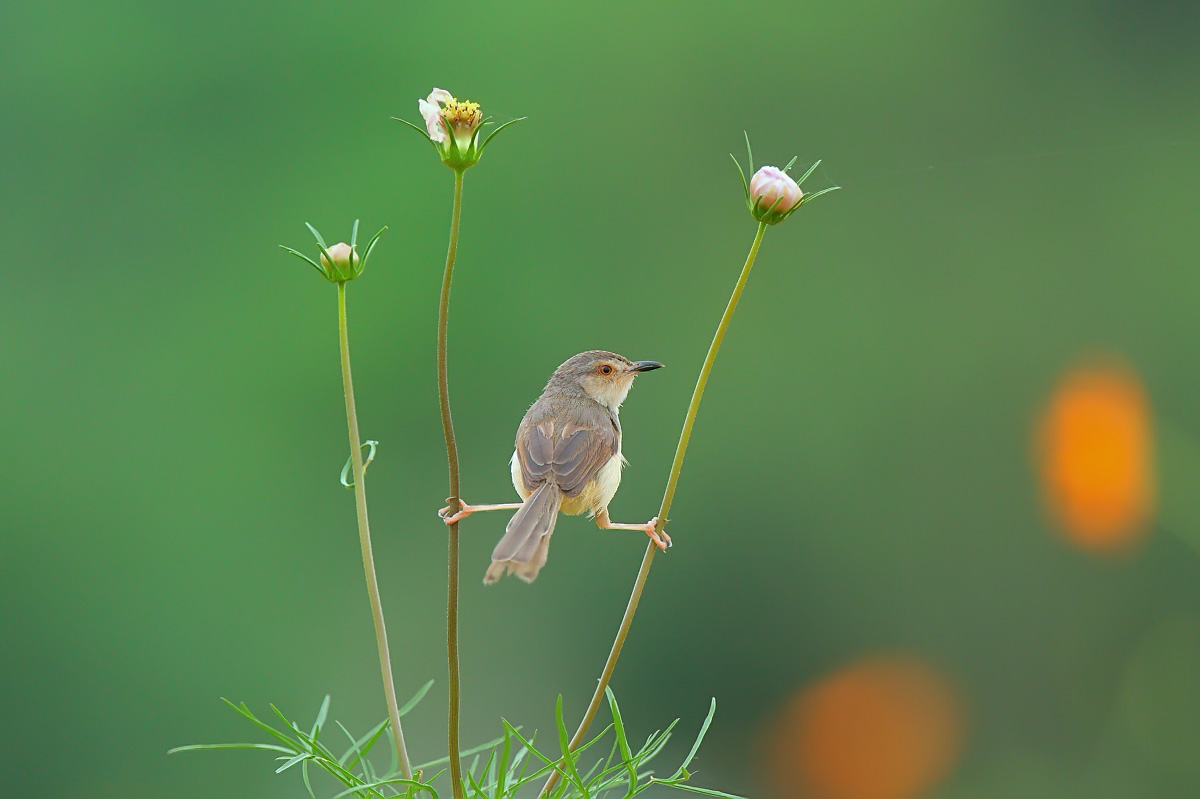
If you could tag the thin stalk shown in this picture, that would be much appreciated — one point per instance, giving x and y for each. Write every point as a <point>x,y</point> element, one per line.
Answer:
<point>668,496</point>
<point>364,538</point>
<point>452,457</point>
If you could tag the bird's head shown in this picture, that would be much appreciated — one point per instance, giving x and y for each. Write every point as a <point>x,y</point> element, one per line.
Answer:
<point>602,376</point>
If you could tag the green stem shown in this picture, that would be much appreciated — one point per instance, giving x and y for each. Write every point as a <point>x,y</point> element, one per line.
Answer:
<point>685,436</point>
<point>364,538</point>
<point>452,457</point>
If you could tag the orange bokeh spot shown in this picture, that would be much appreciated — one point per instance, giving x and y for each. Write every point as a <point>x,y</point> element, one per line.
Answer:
<point>887,727</point>
<point>1096,460</point>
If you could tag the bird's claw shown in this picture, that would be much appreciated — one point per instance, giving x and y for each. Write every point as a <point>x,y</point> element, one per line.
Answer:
<point>465,511</point>
<point>660,539</point>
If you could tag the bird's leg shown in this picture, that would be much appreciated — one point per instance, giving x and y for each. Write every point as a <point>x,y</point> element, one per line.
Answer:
<point>466,510</point>
<point>661,540</point>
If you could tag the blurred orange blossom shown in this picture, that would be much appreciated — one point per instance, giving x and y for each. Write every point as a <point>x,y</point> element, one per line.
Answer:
<point>887,727</point>
<point>1095,451</point>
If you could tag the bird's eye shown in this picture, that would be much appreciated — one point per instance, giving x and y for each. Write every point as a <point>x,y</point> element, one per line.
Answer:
<point>606,369</point>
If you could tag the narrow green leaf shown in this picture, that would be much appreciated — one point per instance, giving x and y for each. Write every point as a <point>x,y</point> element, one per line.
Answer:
<point>321,715</point>
<point>687,761</point>
<point>383,732</point>
<point>201,747</point>
<point>363,745</point>
<point>315,747</point>
<point>353,746</point>
<point>527,744</point>
<point>596,784</point>
<point>789,163</point>
<point>354,234</point>
<point>479,748</point>
<point>267,728</point>
<point>564,741</point>
<point>410,704</point>
<point>336,771</point>
<point>291,725</point>
<point>749,154</point>
<point>291,761</point>
<point>655,744</point>
<point>391,781</point>
<point>622,741</point>
<point>307,781</point>
<point>520,760</point>
<point>395,765</point>
<point>694,789</point>
<point>649,782</point>
<point>586,776</point>
<point>489,772</point>
<point>473,787</point>
<point>502,767</point>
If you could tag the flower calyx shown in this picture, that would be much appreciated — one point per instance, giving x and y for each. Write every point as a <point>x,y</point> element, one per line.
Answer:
<point>341,262</point>
<point>454,128</point>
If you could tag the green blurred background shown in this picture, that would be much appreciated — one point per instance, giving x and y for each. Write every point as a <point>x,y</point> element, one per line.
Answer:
<point>1019,196</point>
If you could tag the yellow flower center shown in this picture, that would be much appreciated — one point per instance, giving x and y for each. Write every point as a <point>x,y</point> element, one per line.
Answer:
<point>463,115</point>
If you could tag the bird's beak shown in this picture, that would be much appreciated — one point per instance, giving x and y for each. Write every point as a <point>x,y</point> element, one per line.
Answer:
<point>644,366</point>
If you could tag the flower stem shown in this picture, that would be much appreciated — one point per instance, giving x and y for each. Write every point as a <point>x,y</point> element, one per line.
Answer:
<point>672,481</point>
<point>364,538</point>
<point>452,457</point>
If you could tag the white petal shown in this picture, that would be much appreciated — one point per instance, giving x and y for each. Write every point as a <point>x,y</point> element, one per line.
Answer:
<point>433,120</point>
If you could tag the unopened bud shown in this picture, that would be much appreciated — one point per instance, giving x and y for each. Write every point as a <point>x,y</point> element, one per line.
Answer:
<point>345,261</point>
<point>773,194</point>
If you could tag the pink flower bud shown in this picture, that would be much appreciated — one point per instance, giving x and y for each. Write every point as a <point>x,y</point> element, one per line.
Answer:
<point>771,184</point>
<point>345,259</point>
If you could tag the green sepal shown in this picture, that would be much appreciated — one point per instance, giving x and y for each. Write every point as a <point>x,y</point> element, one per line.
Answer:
<point>742,175</point>
<point>310,261</point>
<point>362,262</point>
<point>810,197</point>
<point>492,135</point>
<point>810,170</point>
<point>424,133</point>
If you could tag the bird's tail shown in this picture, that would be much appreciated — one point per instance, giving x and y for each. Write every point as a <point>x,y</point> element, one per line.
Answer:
<point>526,542</point>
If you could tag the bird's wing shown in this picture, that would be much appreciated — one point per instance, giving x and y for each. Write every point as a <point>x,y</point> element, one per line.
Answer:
<point>567,453</point>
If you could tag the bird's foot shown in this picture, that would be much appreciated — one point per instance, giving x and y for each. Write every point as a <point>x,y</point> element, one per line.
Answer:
<point>660,539</point>
<point>464,511</point>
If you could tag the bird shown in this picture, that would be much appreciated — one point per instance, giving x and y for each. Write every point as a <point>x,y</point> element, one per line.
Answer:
<point>567,458</point>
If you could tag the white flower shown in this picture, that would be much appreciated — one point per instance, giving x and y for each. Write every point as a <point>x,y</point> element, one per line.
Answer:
<point>771,184</point>
<point>431,110</point>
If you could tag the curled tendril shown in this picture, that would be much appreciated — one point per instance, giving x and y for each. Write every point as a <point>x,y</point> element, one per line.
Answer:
<point>366,463</point>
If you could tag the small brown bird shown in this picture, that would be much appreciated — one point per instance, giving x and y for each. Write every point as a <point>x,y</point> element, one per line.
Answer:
<point>567,458</point>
